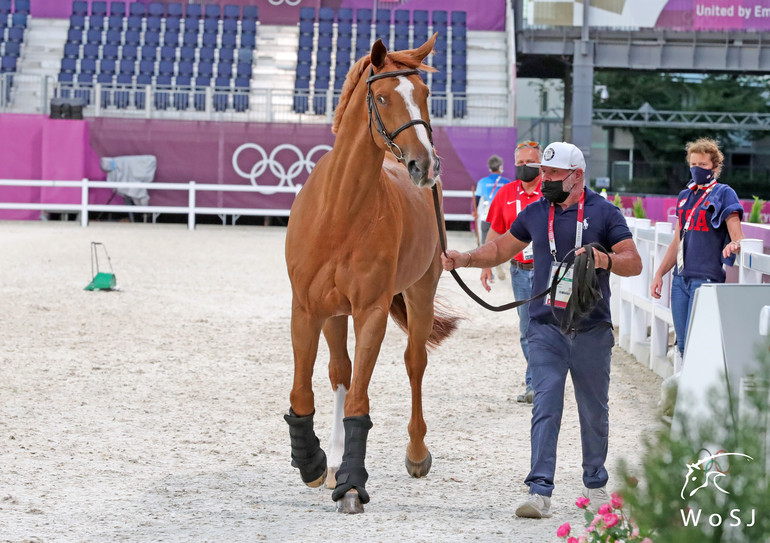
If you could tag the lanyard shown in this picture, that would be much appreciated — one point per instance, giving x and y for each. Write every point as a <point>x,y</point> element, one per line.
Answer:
<point>518,199</point>
<point>492,193</point>
<point>578,228</point>
<point>708,189</point>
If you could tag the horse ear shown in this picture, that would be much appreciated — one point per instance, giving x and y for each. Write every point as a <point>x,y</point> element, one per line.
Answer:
<point>425,49</point>
<point>378,54</point>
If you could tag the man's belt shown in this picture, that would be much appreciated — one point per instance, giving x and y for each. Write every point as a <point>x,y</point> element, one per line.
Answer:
<point>522,265</point>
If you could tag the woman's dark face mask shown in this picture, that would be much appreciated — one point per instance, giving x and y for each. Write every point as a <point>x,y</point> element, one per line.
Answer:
<point>526,173</point>
<point>701,176</point>
<point>554,192</point>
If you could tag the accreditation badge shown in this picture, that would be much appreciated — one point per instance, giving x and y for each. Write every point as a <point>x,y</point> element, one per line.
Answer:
<point>563,289</point>
<point>528,253</point>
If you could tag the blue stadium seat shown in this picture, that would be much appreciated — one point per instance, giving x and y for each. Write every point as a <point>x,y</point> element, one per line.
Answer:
<point>459,33</point>
<point>324,56</point>
<point>21,6</point>
<point>229,40</point>
<point>127,67</point>
<point>459,75</point>
<point>212,11</point>
<point>325,42</point>
<point>99,8</point>
<point>146,67</point>
<point>87,66</point>
<point>248,27</point>
<point>250,13</point>
<point>174,10</point>
<point>301,95</point>
<point>96,22</point>
<point>206,54</point>
<point>438,100</point>
<point>79,7</point>
<point>439,18</point>
<point>363,45</point>
<point>243,70</point>
<point>12,50</point>
<point>400,43</point>
<point>199,97</point>
<point>149,52</point>
<point>110,52</point>
<point>326,14</point>
<point>77,22</point>
<point>344,29</point>
<point>94,36</point>
<point>113,37</point>
<point>19,19</point>
<point>171,39</point>
<point>91,50</point>
<point>152,24</point>
<point>224,69</point>
<point>401,29</point>
<point>190,39</point>
<point>166,67</point>
<point>205,69</point>
<point>156,9</point>
<point>142,80</point>
<point>440,45</point>
<point>325,28</point>
<point>249,40</point>
<point>241,98</point>
<point>181,95</point>
<point>115,22</point>
<point>131,37</point>
<point>134,23</point>
<point>458,18</point>
<point>194,11</point>
<point>304,56</point>
<point>65,85</point>
<point>168,53</point>
<point>306,42</point>
<point>439,78</point>
<point>244,55</point>
<point>68,66</point>
<point>71,50</point>
<point>322,75</point>
<point>173,25</point>
<point>5,7</point>
<point>187,54</point>
<point>401,16</point>
<point>122,96</point>
<point>152,38</point>
<point>162,95</point>
<point>420,16</point>
<point>221,93</point>
<point>118,9</point>
<point>229,26</point>
<point>16,34</point>
<point>306,28</point>
<point>106,66</point>
<point>231,12</point>
<point>137,9</point>
<point>383,16</point>
<point>345,15</point>
<point>227,55</point>
<point>85,83</point>
<point>363,16</point>
<point>185,68</point>
<point>209,40</point>
<point>459,105</point>
<point>211,26</point>
<point>459,49</point>
<point>128,52</point>
<point>307,14</point>
<point>303,71</point>
<point>105,79</point>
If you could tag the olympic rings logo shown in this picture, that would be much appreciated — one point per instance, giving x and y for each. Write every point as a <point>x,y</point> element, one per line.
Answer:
<point>287,2</point>
<point>285,176</point>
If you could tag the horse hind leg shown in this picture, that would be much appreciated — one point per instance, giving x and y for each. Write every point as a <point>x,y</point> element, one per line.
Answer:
<point>306,452</point>
<point>336,333</point>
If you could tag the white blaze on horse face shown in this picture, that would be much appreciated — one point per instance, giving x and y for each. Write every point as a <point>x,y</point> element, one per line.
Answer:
<point>337,438</point>
<point>405,88</point>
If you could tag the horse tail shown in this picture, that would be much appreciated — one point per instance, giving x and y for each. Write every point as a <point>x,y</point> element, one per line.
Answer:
<point>444,320</point>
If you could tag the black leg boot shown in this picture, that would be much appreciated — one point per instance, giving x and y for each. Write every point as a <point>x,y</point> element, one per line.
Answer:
<point>306,453</point>
<point>352,473</point>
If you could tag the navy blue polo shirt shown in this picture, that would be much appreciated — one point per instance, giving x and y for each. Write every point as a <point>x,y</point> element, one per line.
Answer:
<point>603,223</point>
<point>708,233</point>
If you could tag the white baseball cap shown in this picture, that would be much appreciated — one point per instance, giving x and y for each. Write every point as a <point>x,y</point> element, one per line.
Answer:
<point>562,155</point>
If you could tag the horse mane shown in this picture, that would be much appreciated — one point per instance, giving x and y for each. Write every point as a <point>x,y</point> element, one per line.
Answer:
<point>356,71</point>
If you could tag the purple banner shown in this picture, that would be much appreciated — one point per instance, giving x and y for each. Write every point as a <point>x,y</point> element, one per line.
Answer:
<point>286,12</point>
<point>715,15</point>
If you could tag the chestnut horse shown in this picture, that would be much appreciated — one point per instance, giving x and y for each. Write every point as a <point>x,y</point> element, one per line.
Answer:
<point>362,241</point>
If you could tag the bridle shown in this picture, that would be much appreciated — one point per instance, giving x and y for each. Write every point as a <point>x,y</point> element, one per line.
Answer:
<point>374,112</point>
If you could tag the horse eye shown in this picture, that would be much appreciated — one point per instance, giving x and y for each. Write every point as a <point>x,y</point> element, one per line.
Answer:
<point>381,99</point>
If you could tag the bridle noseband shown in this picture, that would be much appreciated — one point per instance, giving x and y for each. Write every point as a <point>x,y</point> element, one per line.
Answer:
<point>388,137</point>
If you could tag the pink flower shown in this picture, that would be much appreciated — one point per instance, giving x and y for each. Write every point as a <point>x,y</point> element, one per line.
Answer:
<point>582,502</point>
<point>617,501</point>
<point>647,540</point>
<point>610,520</point>
<point>596,520</point>
<point>563,530</point>
<point>635,532</point>
<point>604,509</point>
<point>572,540</point>
<point>582,539</point>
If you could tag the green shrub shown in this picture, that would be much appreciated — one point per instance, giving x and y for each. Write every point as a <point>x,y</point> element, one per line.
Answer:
<point>639,212</point>
<point>756,210</point>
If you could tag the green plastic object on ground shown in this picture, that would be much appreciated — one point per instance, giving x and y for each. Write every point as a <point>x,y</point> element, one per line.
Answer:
<point>101,280</point>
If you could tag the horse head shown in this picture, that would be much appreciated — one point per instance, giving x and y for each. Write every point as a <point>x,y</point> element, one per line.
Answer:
<point>397,101</point>
<point>700,475</point>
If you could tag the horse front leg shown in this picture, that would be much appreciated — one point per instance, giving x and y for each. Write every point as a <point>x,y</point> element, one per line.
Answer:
<point>306,452</point>
<point>419,306</point>
<point>336,333</point>
<point>350,493</point>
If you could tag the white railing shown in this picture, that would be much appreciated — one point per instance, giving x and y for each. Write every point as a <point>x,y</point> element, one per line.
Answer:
<point>643,322</point>
<point>84,207</point>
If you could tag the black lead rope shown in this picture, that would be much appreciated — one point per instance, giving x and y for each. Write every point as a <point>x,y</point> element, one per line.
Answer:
<point>585,293</point>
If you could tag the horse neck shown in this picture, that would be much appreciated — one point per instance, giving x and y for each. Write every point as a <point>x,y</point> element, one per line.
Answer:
<point>357,167</point>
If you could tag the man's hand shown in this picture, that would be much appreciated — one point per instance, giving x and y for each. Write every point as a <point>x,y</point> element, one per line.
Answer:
<point>601,260</point>
<point>487,278</point>
<point>657,285</point>
<point>455,259</point>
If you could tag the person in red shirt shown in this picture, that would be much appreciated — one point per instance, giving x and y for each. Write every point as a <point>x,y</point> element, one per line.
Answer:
<point>505,207</point>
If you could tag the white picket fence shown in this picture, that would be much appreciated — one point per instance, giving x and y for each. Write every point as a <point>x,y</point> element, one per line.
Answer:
<point>643,322</point>
<point>84,208</point>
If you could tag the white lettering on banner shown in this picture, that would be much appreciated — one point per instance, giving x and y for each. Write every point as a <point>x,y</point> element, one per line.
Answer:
<point>690,517</point>
<point>287,2</point>
<point>714,11</point>
<point>285,176</point>
<point>760,12</point>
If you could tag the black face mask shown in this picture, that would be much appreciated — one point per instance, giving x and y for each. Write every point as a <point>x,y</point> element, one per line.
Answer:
<point>526,173</point>
<point>554,192</point>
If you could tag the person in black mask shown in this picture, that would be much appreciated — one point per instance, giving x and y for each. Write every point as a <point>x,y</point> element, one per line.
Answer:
<point>568,217</point>
<point>506,206</point>
<point>708,234</point>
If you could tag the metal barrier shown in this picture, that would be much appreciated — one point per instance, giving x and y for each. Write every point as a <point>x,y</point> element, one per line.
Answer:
<point>84,207</point>
<point>643,322</point>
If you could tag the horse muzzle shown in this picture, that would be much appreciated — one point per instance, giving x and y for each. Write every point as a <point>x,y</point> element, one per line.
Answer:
<point>423,171</point>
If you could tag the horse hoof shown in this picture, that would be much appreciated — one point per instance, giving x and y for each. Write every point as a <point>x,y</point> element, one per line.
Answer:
<point>350,503</point>
<point>331,478</point>
<point>318,482</point>
<point>419,469</point>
